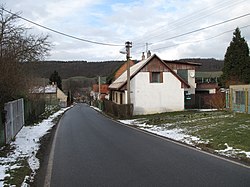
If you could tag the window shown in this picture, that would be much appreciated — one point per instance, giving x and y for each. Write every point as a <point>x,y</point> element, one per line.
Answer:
<point>116,97</point>
<point>240,97</point>
<point>121,99</point>
<point>156,77</point>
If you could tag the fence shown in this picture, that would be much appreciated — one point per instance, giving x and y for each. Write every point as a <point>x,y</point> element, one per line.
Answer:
<point>14,118</point>
<point>33,109</point>
<point>118,110</point>
<point>15,114</point>
<point>209,101</point>
<point>2,138</point>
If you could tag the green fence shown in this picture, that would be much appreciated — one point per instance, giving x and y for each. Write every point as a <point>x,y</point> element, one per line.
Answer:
<point>33,110</point>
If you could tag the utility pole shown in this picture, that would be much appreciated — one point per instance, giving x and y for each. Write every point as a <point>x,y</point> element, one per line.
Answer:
<point>99,87</point>
<point>128,45</point>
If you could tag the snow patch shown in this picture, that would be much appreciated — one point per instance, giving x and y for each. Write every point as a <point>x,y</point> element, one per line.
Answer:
<point>180,135</point>
<point>175,133</point>
<point>26,145</point>
<point>97,109</point>
<point>208,110</point>
<point>230,151</point>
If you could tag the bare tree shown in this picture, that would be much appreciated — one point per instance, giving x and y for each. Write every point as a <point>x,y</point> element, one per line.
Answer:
<point>17,47</point>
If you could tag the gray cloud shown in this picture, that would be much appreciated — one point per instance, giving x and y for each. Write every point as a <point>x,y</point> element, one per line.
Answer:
<point>141,22</point>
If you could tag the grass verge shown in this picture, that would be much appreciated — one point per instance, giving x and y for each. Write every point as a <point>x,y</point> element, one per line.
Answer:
<point>17,173</point>
<point>220,130</point>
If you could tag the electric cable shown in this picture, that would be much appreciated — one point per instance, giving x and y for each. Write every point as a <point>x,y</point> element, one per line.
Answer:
<point>198,41</point>
<point>203,28</point>
<point>61,33</point>
<point>192,18</point>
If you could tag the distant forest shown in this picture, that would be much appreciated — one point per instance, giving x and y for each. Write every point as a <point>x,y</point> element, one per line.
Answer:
<point>72,68</point>
<point>207,65</point>
<point>67,69</point>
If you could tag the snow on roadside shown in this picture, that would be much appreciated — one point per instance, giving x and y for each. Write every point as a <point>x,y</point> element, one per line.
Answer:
<point>180,135</point>
<point>230,151</point>
<point>26,145</point>
<point>175,133</point>
<point>95,108</point>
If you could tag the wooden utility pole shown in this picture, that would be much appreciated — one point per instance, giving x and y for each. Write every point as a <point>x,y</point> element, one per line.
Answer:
<point>99,87</point>
<point>128,45</point>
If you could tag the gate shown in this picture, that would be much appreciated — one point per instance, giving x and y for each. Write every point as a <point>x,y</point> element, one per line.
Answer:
<point>14,118</point>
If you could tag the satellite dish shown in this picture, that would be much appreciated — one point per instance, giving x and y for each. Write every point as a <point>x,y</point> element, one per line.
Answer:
<point>192,74</point>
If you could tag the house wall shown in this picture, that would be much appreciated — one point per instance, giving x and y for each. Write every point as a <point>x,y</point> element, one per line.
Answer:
<point>62,98</point>
<point>191,81</point>
<point>149,98</point>
<point>118,97</point>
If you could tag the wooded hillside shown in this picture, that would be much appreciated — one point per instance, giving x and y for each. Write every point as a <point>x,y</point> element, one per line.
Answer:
<point>72,68</point>
<point>207,65</point>
<point>92,69</point>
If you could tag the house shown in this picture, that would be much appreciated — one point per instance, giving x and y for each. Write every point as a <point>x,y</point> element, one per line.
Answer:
<point>154,86</point>
<point>187,71</point>
<point>52,94</point>
<point>61,97</point>
<point>238,98</point>
<point>99,94</point>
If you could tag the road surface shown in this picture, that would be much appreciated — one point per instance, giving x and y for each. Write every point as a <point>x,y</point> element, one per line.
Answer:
<point>93,150</point>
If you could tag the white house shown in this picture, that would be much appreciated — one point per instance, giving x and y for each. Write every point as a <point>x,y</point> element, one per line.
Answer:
<point>154,86</point>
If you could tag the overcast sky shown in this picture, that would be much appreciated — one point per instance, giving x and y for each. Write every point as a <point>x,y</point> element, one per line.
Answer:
<point>162,24</point>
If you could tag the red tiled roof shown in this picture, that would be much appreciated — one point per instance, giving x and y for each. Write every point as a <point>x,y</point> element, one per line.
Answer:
<point>103,88</point>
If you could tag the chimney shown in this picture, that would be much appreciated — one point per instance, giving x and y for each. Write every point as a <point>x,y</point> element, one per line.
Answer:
<point>143,56</point>
<point>148,54</point>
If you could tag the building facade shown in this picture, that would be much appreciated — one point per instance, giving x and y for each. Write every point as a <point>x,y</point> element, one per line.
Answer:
<point>155,87</point>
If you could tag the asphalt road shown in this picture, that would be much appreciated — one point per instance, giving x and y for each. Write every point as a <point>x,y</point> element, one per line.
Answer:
<point>92,150</point>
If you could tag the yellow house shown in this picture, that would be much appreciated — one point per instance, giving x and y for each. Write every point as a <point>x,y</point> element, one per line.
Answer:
<point>52,95</point>
<point>62,98</point>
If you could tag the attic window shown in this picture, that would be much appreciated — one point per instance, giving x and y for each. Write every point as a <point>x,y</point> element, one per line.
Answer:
<point>156,77</point>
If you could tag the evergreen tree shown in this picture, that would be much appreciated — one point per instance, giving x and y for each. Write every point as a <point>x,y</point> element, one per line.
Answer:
<point>55,78</point>
<point>236,62</point>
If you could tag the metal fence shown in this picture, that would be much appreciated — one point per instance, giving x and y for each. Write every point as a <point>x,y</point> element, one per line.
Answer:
<point>16,114</point>
<point>2,138</point>
<point>14,118</point>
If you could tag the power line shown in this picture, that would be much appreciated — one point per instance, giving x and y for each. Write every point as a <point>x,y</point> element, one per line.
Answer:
<point>203,28</point>
<point>61,33</point>
<point>192,18</point>
<point>197,41</point>
<point>197,30</point>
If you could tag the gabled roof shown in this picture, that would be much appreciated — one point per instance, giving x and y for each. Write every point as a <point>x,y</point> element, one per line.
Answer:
<point>49,89</point>
<point>122,80</point>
